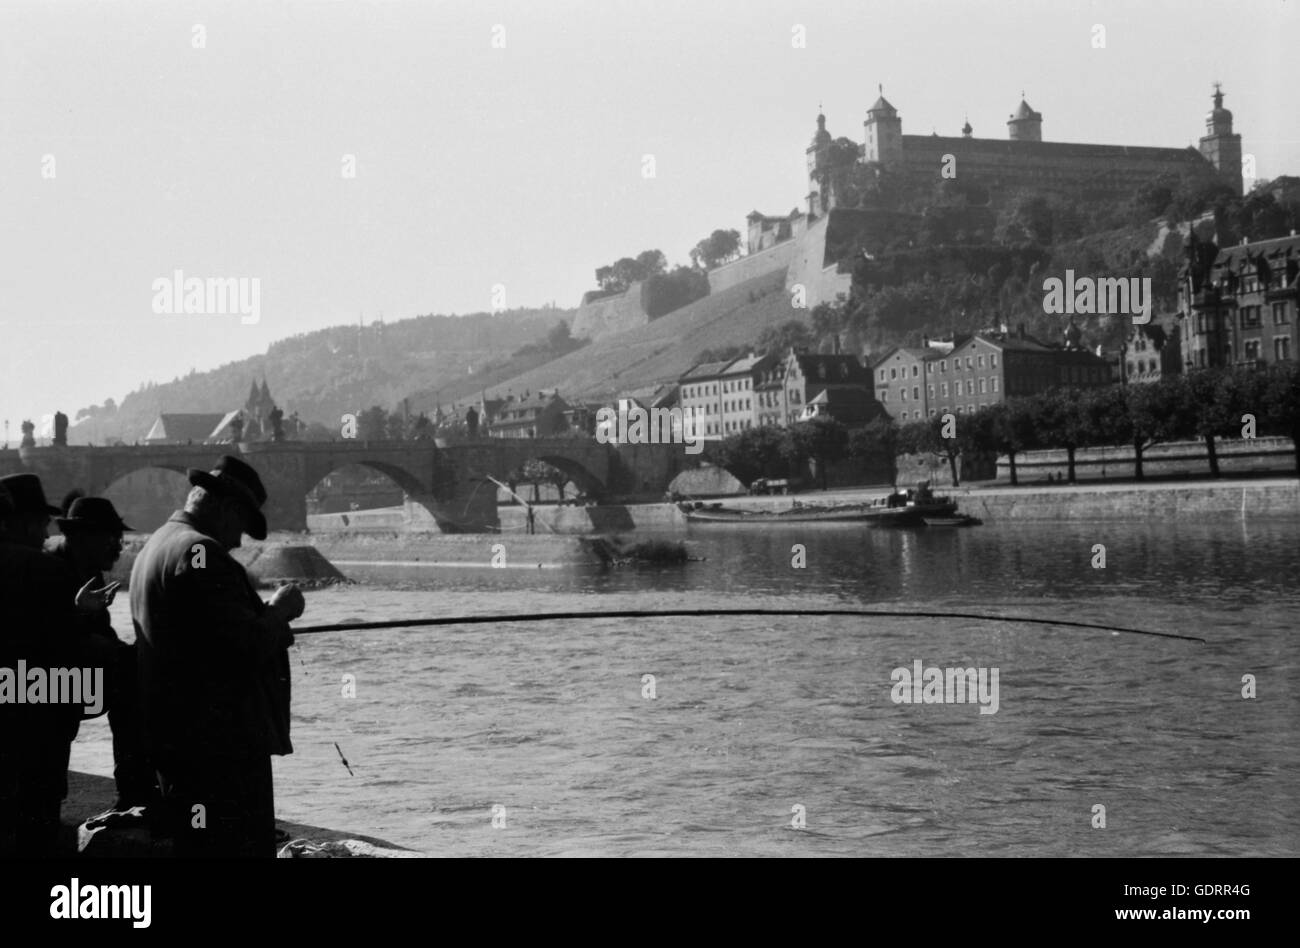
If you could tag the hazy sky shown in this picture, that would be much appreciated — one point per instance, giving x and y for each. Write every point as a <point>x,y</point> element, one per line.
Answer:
<point>518,164</point>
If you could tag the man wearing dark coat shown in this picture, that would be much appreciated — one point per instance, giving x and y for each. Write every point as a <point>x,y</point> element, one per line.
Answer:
<point>214,668</point>
<point>37,631</point>
<point>91,544</point>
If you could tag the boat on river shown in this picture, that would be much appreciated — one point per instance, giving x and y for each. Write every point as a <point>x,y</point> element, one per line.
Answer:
<point>909,508</point>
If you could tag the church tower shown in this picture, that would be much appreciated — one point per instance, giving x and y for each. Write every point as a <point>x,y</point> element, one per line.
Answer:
<point>1026,125</point>
<point>883,133</point>
<point>1220,146</point>
<point>818,158</point>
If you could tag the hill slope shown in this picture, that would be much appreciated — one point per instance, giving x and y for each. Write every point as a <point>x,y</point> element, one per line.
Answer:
<point>320,375</point>
<point>662,350</point>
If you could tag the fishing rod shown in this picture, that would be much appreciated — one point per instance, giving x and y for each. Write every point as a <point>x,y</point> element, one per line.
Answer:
<point>704,613</point>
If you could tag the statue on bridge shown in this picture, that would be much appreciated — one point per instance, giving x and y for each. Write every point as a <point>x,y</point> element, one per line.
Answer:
<point>471,422</point>
<point>277,423</point>
<point>29,439</point>
<point>60,429</point>
<point>237,428</point>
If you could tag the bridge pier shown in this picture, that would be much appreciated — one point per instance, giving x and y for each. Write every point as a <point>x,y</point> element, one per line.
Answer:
<point>468,511</point>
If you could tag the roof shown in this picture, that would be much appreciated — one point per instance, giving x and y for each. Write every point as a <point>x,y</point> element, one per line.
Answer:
<point>705,370</point>
<point>832,369</point>
<point>183,426</point>
<point>882,105</point>
<point>1022,148</point>
<point>750,363</point>
<point>1025,112</point>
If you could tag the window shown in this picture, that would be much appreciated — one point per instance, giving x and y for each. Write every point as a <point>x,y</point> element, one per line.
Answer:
<point>1279,314</point>
<point>980,360</point>
<point>968,365</point>
<point>993,360</point>
<point>981,386</point>
<point>929,368</point>
<point>931,412</point>
<point>959,409</point>
<point>993,383</point>
<point>1249,316</point>
<point>970,409</point>
<point>1252,350</point>
<point>902,394</point>
<point>916,393</point>
<point>1281,348</point>
<point>882,375</point>
<point>943,366</point>
<point>943,389</point>
<point>929,391</point>
<point>916,370</point>
<point>893,373</point>
<point>884,395</point>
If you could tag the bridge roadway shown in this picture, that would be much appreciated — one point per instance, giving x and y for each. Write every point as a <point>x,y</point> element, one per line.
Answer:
<point>447,485</point>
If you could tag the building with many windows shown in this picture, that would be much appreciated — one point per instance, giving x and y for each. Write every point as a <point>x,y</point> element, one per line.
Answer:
<point>1240,303</point>
<point>981,370</point>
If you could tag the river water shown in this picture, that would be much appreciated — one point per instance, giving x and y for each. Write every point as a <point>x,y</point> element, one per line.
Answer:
<point>757,724</point>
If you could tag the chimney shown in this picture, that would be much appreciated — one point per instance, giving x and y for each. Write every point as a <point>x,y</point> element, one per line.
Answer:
<point>1020,330</point>
<point>925,342</point>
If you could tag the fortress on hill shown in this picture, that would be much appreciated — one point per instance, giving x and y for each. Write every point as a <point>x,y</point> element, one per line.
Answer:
<point>798,242</point>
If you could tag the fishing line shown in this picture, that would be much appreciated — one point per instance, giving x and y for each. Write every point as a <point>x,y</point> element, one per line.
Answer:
<point>704,613</point>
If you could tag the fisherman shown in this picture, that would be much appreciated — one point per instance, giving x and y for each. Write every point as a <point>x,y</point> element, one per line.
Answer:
<point>90,545</point>
<point>37,629</point>
<point>214,668</point>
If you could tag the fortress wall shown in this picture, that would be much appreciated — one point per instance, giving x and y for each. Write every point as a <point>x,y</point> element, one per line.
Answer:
<point>777,257</point>
<point>611,314</point>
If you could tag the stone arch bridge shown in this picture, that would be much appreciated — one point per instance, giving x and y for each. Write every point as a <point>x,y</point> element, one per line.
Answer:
<point>447,486</point>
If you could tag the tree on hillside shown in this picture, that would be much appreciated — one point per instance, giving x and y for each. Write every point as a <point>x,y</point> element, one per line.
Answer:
<point>372,424</point>
<point>1027,219</point>
<point>625,271</point>
<point>778,340</point>
<point>721,354</point>
<point>718,248</point>
<point>666,292</point>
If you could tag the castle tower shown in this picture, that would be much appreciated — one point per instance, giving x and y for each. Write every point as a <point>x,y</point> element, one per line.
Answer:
<point>883,133</point>
<point>1220,146</point>
<point>818,157</point>
<point>1026,125</point>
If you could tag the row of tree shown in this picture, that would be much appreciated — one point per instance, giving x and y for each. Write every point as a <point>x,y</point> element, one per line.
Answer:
<point>1208,404</point>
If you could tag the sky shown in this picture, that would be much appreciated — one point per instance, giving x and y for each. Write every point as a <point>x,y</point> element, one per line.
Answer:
<point>498,151</point>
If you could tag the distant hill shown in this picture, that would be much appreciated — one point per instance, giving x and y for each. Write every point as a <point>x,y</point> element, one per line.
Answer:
<point>320,375</point>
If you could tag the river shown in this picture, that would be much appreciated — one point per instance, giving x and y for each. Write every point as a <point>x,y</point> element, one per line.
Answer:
<point>759,724</point>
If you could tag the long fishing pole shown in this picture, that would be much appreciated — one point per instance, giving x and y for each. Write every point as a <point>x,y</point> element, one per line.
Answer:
<point>700,613</point>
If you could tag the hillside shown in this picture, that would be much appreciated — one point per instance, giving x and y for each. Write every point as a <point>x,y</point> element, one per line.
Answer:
<point>662,350</point>
<point>320,375</point>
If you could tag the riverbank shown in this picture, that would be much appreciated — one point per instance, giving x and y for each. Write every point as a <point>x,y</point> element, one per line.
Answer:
<point>89,795</point>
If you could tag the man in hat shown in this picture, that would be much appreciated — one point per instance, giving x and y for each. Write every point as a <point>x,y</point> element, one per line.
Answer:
<point>37,631</point>
<point>214,667</point>
<point>90,545</point>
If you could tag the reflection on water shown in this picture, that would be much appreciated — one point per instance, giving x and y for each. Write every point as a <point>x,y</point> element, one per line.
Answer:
<point>754,716</point>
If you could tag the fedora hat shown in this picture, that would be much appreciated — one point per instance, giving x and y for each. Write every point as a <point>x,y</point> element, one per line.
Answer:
<point>233,478</point>
<point>92,513</point>
<point>26,494</point>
